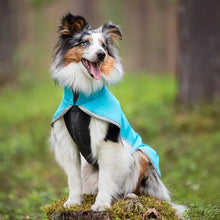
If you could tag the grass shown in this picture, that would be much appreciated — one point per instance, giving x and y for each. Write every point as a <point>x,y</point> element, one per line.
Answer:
<point>187,141</point>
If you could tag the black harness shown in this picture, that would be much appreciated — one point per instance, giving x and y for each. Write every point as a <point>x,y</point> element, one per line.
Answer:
<point>77,123</point>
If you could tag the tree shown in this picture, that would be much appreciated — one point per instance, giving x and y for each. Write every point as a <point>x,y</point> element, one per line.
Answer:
<point>150,35</point>
<point>198,68</point>
<point>8,39</point>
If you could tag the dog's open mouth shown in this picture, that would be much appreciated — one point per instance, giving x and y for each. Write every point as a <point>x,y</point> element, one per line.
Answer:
<point>93,68</point>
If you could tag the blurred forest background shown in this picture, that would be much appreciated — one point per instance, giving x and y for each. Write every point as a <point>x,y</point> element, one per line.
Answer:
<point>170,94</point>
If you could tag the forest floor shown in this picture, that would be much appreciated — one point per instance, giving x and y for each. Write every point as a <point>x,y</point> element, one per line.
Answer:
<point>186,139</point>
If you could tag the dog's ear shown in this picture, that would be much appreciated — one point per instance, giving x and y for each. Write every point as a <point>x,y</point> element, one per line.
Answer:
<point>71,24</point>
<point>112,32</point>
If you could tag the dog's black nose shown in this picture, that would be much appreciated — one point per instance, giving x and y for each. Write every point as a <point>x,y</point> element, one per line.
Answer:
<point>101,55</point>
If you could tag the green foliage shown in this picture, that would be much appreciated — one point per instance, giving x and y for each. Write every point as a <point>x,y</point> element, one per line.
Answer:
<point>187,141</point>
<point>203,212</point>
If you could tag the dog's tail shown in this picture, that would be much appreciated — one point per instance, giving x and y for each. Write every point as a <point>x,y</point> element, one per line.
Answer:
<point>153,186</point>
<point>180,210</point>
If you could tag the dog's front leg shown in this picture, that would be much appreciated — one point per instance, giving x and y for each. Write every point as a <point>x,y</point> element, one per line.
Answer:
<point>113,166</point>
<point>72,170</point>
<point>67,155</point>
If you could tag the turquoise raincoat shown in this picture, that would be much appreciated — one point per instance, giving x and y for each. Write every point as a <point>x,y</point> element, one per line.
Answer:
<point>103,105</point>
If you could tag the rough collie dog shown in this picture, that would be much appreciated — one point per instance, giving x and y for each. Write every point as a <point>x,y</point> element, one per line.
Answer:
<point>92,140</point>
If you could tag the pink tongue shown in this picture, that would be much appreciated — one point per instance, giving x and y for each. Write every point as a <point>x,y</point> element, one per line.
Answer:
<point>94,70</point>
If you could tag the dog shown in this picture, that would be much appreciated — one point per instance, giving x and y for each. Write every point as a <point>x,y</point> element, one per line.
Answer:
<point>92,140</point>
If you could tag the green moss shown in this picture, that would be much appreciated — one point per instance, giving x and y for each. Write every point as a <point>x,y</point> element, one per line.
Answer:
<point>134,208</point>
<point>131,209</point>
<point>57,206</point>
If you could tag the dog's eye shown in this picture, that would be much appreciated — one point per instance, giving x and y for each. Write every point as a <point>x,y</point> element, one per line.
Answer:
<point>85,43</point>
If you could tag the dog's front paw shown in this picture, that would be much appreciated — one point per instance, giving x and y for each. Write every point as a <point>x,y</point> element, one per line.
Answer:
<point>71,202</point>
<point>100,207</point>
<point>131,196</point>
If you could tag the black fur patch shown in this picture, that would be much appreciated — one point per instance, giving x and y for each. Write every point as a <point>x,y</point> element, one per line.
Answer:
<point>72,24</point>
<point>112,133</point>
<point>110,53</point>
<point>143,181</point>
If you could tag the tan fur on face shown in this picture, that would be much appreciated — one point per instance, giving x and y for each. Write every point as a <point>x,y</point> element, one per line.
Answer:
<point>74,55</point>
<point>101,40</point>
<point>143,166</point>
<point>108,65</point>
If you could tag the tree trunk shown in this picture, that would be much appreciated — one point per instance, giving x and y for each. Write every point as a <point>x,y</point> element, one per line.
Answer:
<point>90,10</point>
<point>198,67</point>
<point>150,35</point>
<point>8,39</point>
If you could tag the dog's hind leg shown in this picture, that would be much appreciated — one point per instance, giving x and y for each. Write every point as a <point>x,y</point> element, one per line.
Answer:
<point>149,182</point>
<point>68,157</point>
<point>152,185</point>
<point>114,165</point>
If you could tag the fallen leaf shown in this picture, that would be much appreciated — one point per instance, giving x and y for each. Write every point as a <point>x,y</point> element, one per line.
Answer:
<point>151,213</point>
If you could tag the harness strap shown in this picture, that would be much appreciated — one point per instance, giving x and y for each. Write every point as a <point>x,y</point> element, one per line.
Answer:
<point>77,123</point>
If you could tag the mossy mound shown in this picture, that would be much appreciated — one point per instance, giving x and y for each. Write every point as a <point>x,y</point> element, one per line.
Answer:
<point>132,209</point>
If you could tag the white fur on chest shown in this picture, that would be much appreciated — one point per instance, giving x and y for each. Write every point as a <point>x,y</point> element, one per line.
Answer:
<point>98,131</point>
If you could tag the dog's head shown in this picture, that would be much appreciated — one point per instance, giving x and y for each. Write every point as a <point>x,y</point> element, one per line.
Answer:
<point>86,59</point>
